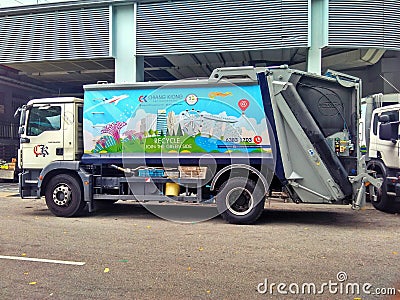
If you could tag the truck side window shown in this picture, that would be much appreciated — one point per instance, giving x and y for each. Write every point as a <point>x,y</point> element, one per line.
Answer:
<point>41,120</point>
<point>393,115</point>
<point>375,125</point>
<point>80,114</point>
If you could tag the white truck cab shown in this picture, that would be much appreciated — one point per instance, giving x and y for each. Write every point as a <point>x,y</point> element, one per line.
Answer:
<point>50,131</point>
<point>383,150</point>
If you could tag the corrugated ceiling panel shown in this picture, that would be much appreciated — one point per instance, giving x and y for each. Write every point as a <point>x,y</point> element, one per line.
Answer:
<point>364,23</point>
<point>355,23</point>
<point>225,25</point>
<point>392,24</point>
<point>82,33</point>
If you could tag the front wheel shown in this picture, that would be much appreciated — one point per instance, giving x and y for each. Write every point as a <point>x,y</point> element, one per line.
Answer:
<point>64,196</point>
<point>240,201</point>
<point>381,200</point>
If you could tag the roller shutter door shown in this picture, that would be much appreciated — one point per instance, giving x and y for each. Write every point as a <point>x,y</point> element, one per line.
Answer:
<point>55,35</point>
<point>224,25</point>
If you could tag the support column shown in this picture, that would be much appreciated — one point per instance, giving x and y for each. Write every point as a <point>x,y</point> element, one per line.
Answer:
<point>318,34</point>
<point>128,66</point>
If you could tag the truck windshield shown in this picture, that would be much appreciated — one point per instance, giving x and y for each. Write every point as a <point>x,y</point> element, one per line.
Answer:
<point>41,120</point>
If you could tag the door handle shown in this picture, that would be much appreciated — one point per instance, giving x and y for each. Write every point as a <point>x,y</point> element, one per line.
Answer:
<point>24,140</point>
<point>59,151</point>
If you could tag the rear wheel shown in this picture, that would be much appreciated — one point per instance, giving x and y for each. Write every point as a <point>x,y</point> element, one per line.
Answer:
<point>240,201</point>
<point>64,196</point>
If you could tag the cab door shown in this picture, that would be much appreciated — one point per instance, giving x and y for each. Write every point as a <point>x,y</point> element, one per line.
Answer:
<point>42,140</point>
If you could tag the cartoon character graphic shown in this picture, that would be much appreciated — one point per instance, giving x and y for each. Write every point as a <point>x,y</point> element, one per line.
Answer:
<point>191,99</point>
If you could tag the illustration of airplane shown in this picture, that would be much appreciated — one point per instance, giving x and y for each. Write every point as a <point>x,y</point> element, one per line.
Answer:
<point>114,99</point>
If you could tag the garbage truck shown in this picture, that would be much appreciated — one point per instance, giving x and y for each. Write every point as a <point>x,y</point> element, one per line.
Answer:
<point>225,141</point>
<point>380,128</point>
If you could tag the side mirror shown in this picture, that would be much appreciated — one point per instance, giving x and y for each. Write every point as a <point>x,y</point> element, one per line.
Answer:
<point>17,112</point>
<point>389,132</point>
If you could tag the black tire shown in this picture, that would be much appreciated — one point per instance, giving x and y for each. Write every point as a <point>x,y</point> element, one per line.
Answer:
<point>240,201</point>
<point>64,196</point>
<point>383,201</point>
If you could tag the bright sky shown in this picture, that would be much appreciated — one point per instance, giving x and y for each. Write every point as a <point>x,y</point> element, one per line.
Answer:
<point>9,3</point>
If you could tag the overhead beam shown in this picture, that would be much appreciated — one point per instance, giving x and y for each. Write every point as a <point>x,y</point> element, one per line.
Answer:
<point>66,72</point>
<point>353,59</point>
<point>22,84</point>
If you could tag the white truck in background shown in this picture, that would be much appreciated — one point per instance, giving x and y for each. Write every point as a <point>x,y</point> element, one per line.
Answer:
<point>380,136</point>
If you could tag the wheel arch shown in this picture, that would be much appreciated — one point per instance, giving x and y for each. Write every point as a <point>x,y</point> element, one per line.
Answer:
<point>378,166</point>
<point>53,173</point>
<point>55,168</point>
<point>239,170</point>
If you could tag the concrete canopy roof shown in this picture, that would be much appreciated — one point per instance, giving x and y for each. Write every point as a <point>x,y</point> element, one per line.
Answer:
<point>67,77</point>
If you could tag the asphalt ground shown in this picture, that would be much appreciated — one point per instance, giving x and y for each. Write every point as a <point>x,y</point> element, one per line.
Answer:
<point>128,253</point>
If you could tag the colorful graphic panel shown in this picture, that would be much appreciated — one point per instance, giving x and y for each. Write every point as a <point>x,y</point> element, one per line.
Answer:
<point>170,119</point>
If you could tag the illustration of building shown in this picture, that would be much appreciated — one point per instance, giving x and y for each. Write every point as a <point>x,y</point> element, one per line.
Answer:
<point>161,122</point>
<point>147,123</point>
<point>172,123</point>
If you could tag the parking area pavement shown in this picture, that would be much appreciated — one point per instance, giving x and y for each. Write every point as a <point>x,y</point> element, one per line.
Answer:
<point>125,252</point>
<point>8,187</point>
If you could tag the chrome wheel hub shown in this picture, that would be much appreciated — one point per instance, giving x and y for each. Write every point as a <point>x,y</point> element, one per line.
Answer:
<point>62,195</point>
<point>239,201</point>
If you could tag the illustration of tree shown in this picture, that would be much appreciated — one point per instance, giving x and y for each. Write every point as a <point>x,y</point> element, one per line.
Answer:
<point>151,132</point>
<point>102,141</point>
<point>156,133</point>
<point>114,129</point>
<point>139,136</point>
<point>129,134</point>
<point>161,133</point>
<point>179,131</point>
